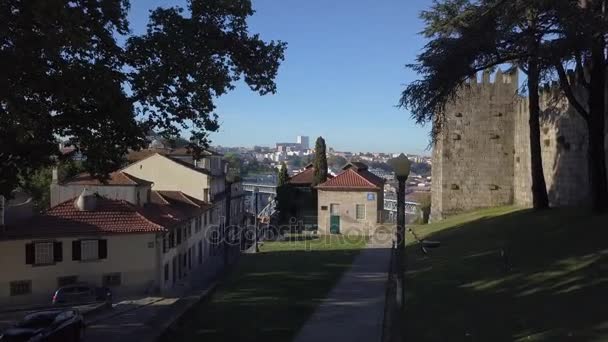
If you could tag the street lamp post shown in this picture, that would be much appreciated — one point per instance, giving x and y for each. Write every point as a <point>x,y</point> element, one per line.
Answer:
<point>401,167</point>
<point>256,191</point>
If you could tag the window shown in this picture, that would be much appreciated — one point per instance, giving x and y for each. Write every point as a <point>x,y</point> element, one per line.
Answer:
<point>44,253</point>
<point>165,244</point>
<point>21,287</point>
<point>179,236</point>
<point>174,269</point>
<point>197,224</point>
<point>111,279</point>
<point>166,272</point>
<point>205,218</point>
<point>200,252</point>
<point>360,211</point>
<point>334,209</point>
<point>67,280</point>
<point>89,250</point>
<point>171,239</point>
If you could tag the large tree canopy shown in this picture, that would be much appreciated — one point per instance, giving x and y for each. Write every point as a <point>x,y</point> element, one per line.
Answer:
<point>183,62</point>
<point>537,36</point>
<point>65,76</point>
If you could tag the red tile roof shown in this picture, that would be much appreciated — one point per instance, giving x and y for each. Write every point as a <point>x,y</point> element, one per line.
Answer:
<point>353,179</point>
<point>169,208</point>
<point>115,178</point>
<point>65,219</point>
<point>305,177</point>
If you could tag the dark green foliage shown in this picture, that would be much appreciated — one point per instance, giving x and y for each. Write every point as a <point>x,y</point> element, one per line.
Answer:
<point>336,162</point>
<point>38,183</point>
<point>283,175</point>
<point>299,161</point>
<point>422,169</point>
<point>64,75</point>
<point>235,164</point>
<point>185,60</point>
<point>320,162</point>
<point>284,194</point>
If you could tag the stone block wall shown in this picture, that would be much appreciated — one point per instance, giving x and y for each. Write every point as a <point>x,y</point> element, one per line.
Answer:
<point>473,162</point>
<point>564,152</point>
<point>482,156</point>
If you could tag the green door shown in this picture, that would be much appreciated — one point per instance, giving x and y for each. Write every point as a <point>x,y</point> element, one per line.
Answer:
<point>334,219</point>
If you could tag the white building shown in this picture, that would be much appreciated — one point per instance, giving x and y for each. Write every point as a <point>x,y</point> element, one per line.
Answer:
<point>149,248</point>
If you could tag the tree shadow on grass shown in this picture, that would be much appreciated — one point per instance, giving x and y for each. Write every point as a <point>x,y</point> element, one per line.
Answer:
<point>533,276</point>
<point>268,298</point>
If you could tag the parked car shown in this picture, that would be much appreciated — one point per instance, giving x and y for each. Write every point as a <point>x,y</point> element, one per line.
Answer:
<point>47,326</point>
<point>81,294</point>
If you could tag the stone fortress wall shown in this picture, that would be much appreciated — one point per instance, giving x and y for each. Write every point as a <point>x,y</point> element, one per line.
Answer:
<point>481,158</point>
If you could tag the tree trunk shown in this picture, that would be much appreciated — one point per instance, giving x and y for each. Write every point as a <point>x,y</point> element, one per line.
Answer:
<point>540,199</point>
<point>596,125</point>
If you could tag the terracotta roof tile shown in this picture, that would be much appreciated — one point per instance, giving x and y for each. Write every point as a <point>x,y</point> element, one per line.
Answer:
<point>305,177</point>
<point>353,179</point>
<point>115,178</point>
<point>65,219</point>
<point>169,208</point>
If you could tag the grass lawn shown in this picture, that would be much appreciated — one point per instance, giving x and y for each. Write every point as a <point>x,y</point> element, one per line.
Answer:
<point>271,294</point>
<point>552,285</point>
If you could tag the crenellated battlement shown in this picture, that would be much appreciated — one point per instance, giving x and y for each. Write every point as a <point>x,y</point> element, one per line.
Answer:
<point>482,156</point>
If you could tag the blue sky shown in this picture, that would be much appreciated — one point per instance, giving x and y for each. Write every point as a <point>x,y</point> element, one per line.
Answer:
<point>342,76</point>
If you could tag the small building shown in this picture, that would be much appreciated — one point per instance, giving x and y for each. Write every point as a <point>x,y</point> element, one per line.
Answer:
<point>352,202</point>
<point>303,197</point>
<point>148,248</point>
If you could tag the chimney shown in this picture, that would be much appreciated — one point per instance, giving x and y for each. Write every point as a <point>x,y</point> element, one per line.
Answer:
<point>55,179</point>
<point>87,201</point>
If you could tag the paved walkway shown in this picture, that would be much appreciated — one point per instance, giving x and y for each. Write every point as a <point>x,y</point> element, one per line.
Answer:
<point>354,309</point>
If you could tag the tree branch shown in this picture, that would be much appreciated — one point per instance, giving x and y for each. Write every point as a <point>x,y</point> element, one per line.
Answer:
<point>567,88</point>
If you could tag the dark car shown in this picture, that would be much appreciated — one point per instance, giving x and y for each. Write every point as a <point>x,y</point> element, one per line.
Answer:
<point>82,294</point>
<point>47,326</point>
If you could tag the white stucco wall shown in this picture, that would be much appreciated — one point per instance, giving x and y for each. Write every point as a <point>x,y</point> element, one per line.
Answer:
<point>169,175</point>
<point>132,255</point>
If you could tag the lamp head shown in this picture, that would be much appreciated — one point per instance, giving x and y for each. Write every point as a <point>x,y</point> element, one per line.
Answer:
<point>401,166</point>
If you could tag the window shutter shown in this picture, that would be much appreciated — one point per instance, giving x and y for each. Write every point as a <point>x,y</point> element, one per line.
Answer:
<point>29,254</point>
<point>76,250</point>
<point>103,249</point>
<point>58,251</point>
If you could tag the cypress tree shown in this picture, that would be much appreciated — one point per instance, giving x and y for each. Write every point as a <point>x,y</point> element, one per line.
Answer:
<point>320,162</point>
<point>283,175</point>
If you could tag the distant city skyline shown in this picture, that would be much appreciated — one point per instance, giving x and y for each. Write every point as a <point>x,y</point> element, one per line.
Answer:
<point>343,73</point>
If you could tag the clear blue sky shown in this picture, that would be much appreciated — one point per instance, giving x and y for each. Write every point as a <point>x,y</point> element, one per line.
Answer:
<point>342,76</point>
